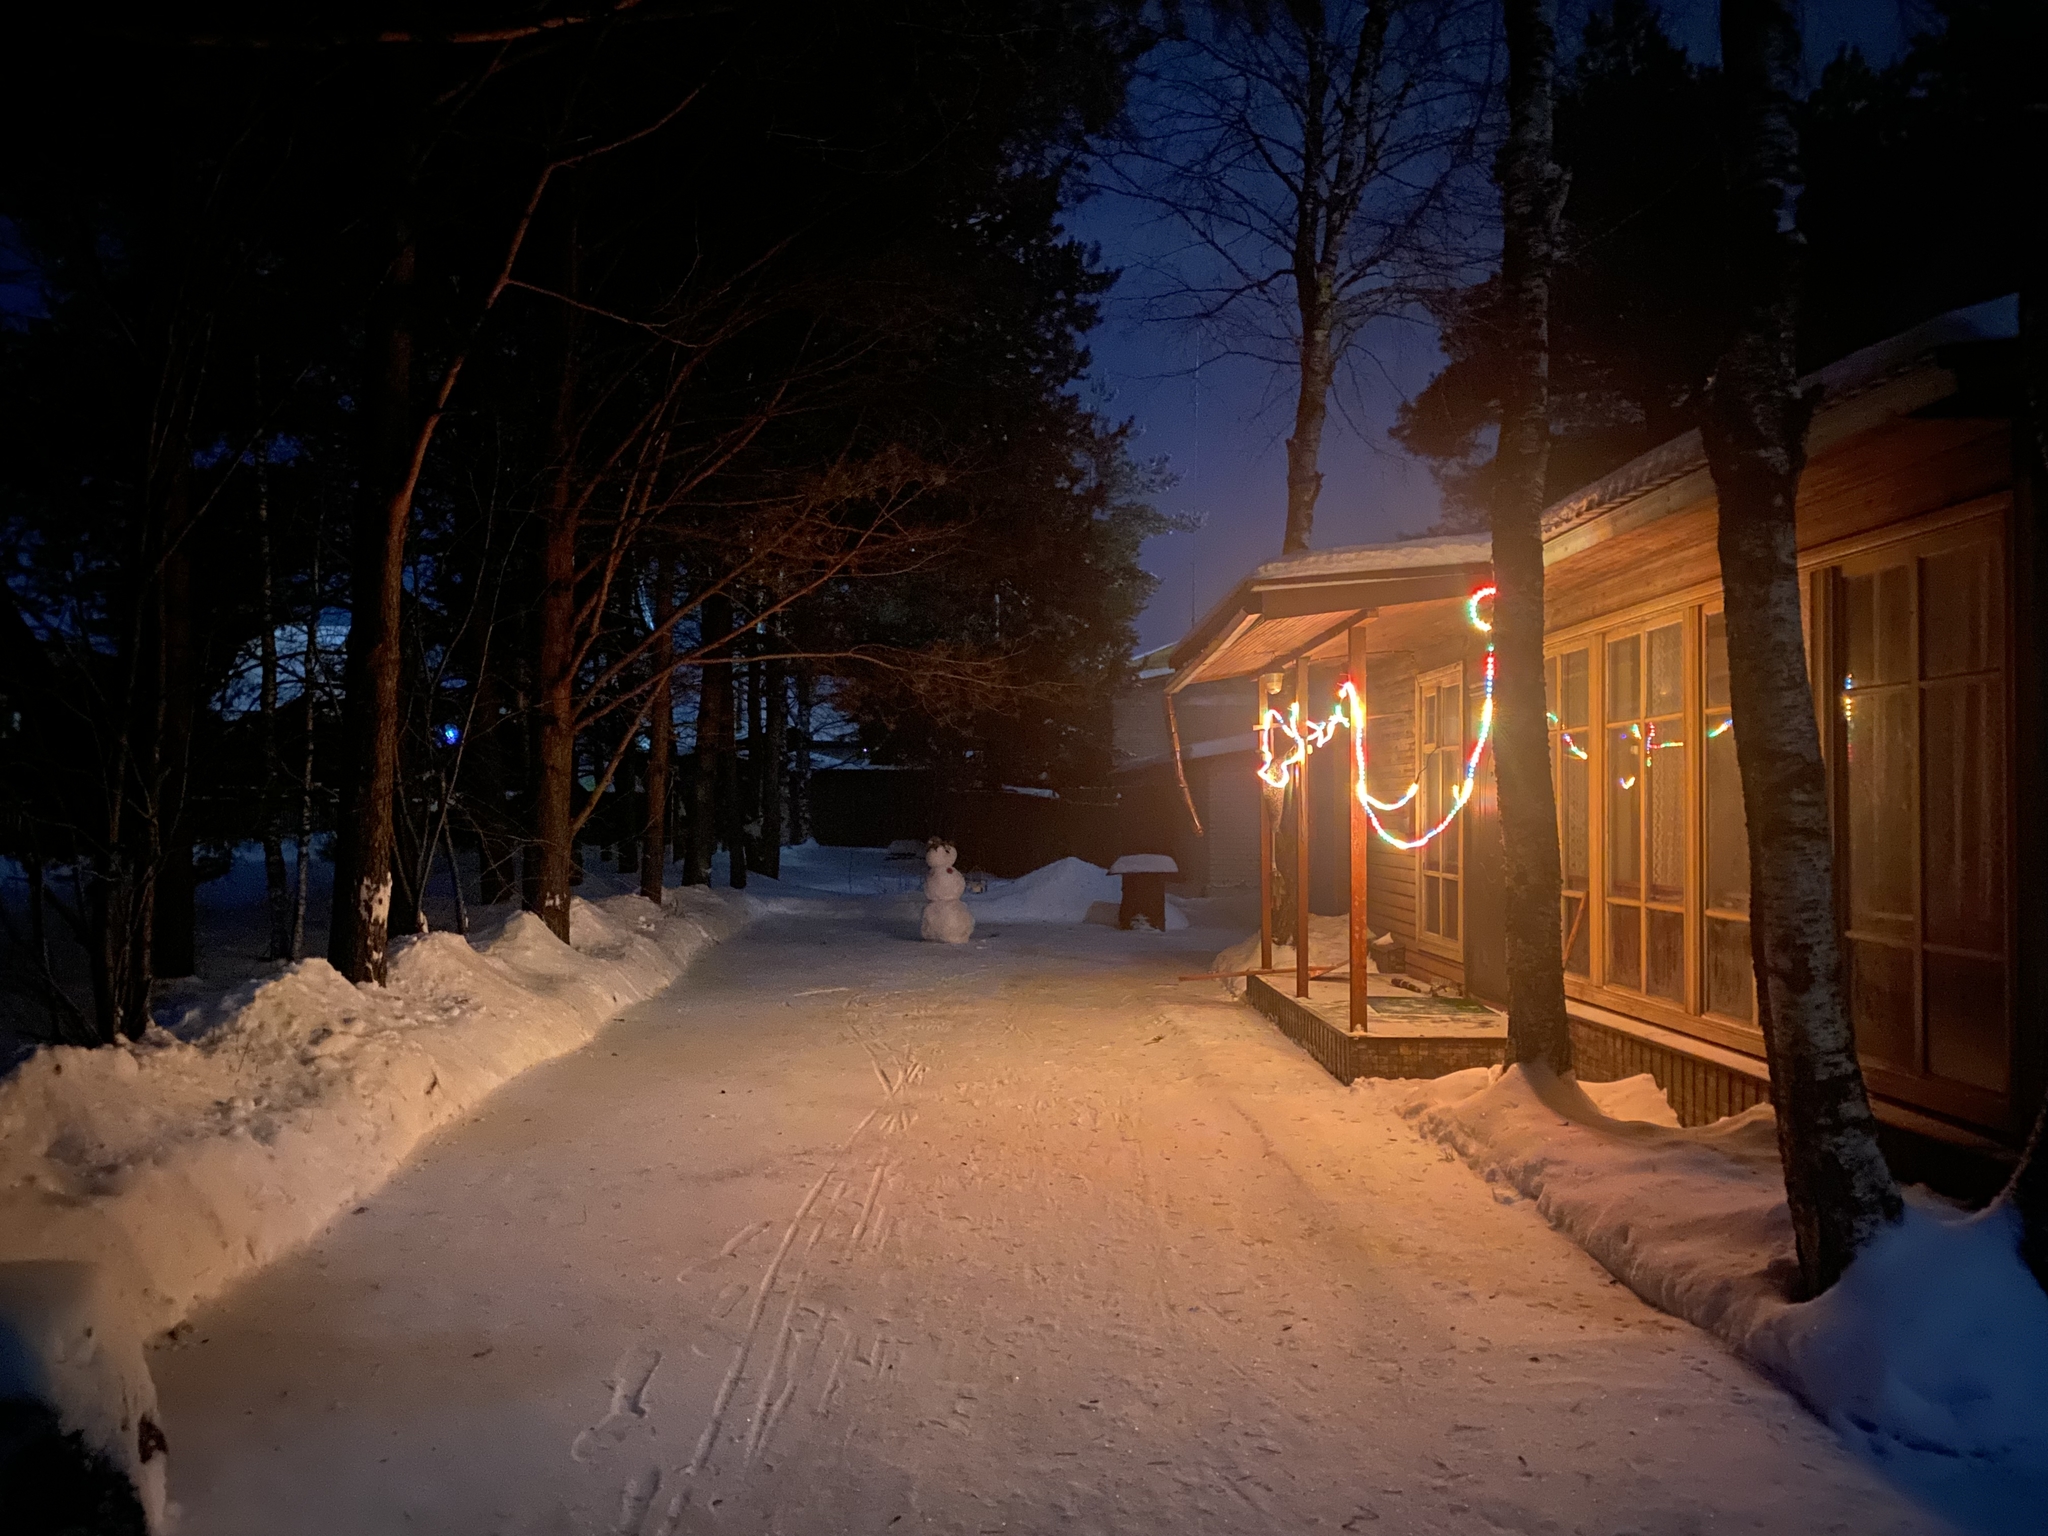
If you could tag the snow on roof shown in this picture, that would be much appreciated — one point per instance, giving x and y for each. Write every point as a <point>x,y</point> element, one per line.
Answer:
<point>1371,559</point>
<point>1839,383</point>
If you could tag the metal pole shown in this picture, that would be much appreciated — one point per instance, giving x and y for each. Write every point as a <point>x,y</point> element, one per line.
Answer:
<point>1361,845</point>
<point>1301,843</point>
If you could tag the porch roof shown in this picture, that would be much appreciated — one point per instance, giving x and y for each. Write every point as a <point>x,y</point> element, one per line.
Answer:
<point>1303,604</point>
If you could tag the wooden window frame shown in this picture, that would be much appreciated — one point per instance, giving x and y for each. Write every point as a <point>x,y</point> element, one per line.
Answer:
<point>1825,600</point>
<point>1432,681</point>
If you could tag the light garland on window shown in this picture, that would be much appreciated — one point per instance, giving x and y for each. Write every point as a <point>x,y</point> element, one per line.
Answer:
<point>1278,769</point>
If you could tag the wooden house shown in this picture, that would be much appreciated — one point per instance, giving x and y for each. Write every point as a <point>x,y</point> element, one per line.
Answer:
<point>1921,571</point>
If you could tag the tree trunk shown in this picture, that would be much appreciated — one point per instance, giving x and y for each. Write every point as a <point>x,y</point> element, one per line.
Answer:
<point>358,931</point>
<point>275,885</point>
<point>1311,410</point>
<point>661,737</point>
<point>1837,1186</point>
<point>1531,198</point>
<point>173,951</point>
<point>309,692</point>
<point>774,744</point>
<point>703,776</point>
<point>800,829</point>
<point>555,657</point>
<point>721,812</point>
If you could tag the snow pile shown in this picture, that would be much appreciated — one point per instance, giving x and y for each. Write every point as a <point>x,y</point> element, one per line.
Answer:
<point>1329,943</point>
<point>170,1166</point>
<point>1061,892</point>
<point>1931,1353</point>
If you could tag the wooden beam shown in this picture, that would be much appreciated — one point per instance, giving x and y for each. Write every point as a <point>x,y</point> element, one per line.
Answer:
<point>1265,850</point>
<point>1361,846</point>
<point>1301,827</point>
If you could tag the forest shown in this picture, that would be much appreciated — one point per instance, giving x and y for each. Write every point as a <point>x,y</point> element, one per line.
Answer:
<point>528,430</point>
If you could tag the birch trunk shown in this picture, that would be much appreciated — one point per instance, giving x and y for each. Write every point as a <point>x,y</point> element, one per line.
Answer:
<point>1838,1189</point>
<point>1532,195</point>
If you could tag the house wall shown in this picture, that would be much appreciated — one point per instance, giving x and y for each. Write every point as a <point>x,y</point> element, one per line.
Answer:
<point>1893,498</point>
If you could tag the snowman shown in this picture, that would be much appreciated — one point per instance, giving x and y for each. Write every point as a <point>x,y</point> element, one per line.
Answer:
<point>946,918</point>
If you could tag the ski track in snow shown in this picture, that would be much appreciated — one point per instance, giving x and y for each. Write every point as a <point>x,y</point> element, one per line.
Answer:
<point>1017,1237</point>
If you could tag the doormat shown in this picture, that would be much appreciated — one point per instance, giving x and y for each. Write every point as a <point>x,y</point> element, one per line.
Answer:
<point>1464,1010</point>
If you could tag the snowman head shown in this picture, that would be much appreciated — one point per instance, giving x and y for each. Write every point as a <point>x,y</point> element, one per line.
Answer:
<point>940,854</point>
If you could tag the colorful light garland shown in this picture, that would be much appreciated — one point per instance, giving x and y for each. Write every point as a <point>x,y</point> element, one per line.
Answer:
<point>1277,770</point>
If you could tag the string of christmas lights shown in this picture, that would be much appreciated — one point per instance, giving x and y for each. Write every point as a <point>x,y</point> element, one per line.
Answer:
<point>1278,770</point>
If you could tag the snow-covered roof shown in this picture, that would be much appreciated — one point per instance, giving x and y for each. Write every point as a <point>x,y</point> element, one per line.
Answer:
<point>1844,386</point>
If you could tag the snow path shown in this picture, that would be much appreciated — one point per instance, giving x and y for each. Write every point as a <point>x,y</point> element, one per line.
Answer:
<point>850,1233</point>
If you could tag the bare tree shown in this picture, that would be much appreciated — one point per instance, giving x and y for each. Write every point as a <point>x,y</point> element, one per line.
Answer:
<point>1532,197</point>
<point>1319,158</point>
<point>1837,1186</point>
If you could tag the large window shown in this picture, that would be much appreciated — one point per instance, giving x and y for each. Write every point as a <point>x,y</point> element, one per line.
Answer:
<point>1724,842</point>
<point>1919,652</point>
<point>1568,686</point>
<point>1441,771</point>
<point>1645,791</point>
<point>1908,646</point>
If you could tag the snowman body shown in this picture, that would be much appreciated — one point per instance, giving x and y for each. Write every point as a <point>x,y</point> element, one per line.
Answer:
<point>946,918</point>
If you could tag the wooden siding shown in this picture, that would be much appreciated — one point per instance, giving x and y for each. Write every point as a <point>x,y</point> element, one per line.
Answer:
<point>1869,482</point>
<point>1390,713</point>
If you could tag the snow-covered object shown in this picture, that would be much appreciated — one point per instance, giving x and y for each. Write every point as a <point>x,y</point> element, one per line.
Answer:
<point>1144,864</point>
<point>1930,1354</point>
<point>66,1343</point>
<point>1060,892</point>
<point>169,1167</point>
<point>1329,943</point>
<point>946,918</point>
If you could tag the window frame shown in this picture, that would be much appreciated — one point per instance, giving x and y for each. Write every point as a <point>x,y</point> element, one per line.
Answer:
<point>1427,683</point>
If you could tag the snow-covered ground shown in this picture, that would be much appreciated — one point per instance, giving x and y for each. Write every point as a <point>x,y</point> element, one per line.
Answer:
<point>1930,1354</point>
<point>855,1233</point>
<point>141,1179</point>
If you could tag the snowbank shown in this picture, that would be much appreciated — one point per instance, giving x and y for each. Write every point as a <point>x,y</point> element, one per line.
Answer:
<point>146,1177</point>
<point>1930,1355</point>
<point>1061,892</point>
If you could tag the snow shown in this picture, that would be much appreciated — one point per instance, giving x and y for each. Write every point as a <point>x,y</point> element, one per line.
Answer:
<point>162,1171</point>
<point>855,1233</point>
<point>1061,892</point>
<point>1930,1355</point>
<point>1144,864</point>
<point>1329,943</point>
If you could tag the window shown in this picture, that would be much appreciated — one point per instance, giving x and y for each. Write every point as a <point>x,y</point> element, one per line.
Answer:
<point>1646,814</point>
<point>1920,816</point>
<point>1567,685</point>
<point>1724,941</point>
<point>1440,770</point>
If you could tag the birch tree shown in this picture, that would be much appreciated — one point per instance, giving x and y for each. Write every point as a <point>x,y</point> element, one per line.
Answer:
<point>1837,1186</point>
<point>1532,196</point>
<point>1319,160</point>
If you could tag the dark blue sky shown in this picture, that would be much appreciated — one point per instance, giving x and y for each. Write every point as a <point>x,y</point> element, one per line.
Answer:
<point>1223,422</point>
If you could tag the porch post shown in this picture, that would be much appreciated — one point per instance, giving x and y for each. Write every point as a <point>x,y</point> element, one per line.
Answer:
<point>1265,851</point>
<point>1301,841</point>
<point>1361,844</point>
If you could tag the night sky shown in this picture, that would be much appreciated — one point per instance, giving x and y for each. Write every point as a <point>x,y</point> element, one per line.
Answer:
<point>1223,422</point>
